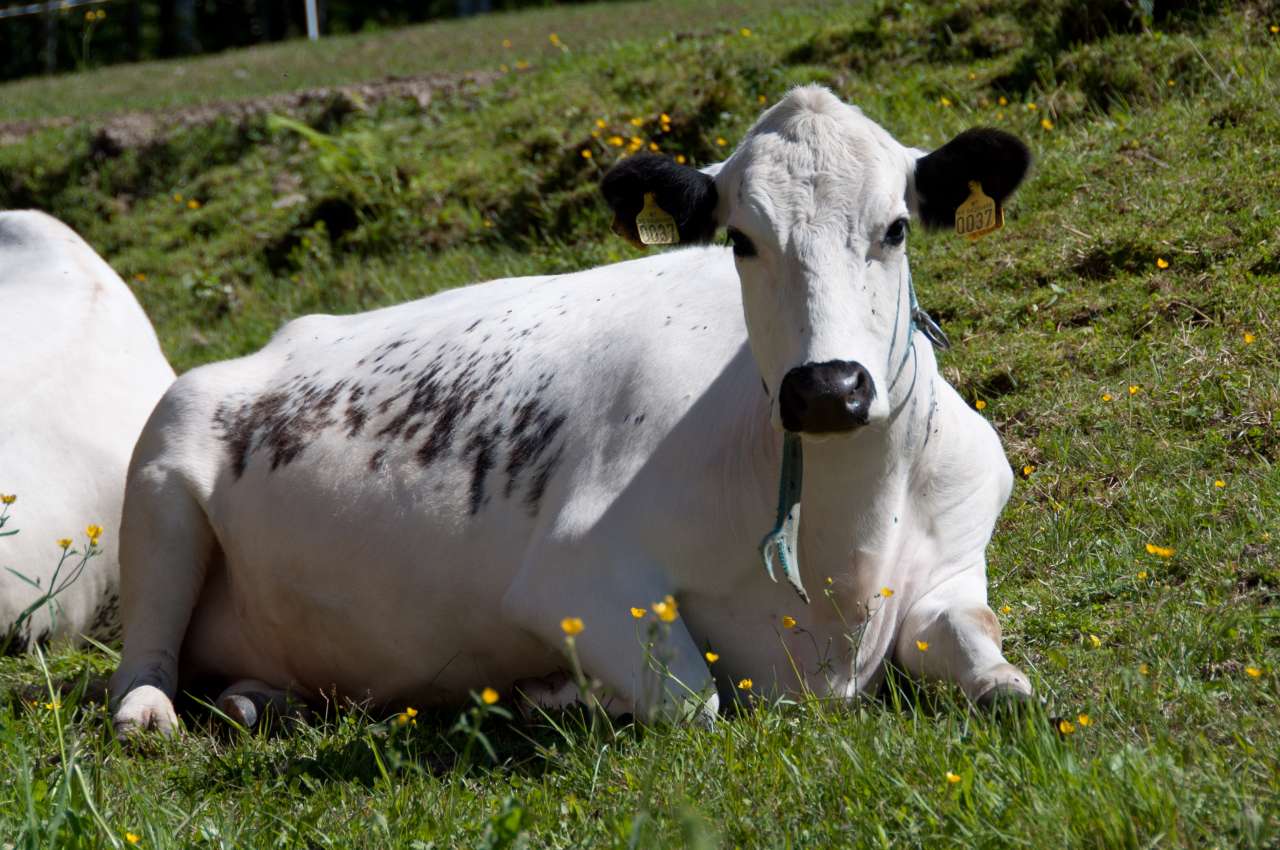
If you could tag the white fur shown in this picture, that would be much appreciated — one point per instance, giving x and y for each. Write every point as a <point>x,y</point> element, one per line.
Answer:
<point>80,371</point>
<point>354,564</point>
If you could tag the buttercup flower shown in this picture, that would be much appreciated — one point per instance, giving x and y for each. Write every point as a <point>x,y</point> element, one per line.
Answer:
<point>711,657</point>
<point>1160,551</point>
<point>1133,389</point>
<point>1162,263</point>
<point>980,404</point>
<point>1253,672</point>
<point>1046,123</point>
<point>8,499</point>
<point>1083,719</point>
<point>1106,396</point>
<point>788,622</point>
<point>1006,609</point>
<point>489,696</point>
<point>952,778</point>
<point>638,613</point>
<point>571,626</point>
<point>922,645</point>
<point>132,837</point>
<point>1249,338</point>
<point>745,684</point>
<point>1095,640</point>
<point>1066,727</point>
<point>64,542</point>
<point>944,101</point>
<point>586,153</point>
<point>1219,484</point>
<point>93,532</point>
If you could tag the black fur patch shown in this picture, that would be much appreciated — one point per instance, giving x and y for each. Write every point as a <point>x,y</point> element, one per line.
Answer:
<point>996,159</point>
<point>442,400</point>
<point>685,193</point>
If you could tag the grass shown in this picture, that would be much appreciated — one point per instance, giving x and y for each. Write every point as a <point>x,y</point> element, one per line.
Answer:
<point>1141,254</point>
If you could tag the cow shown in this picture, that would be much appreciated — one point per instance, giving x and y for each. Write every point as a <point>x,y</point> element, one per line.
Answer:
<point>80,371</point>
<point>411,504</point>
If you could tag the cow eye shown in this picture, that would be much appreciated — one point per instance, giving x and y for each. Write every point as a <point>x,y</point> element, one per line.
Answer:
<point>896,232</point>
<point>742,246</point>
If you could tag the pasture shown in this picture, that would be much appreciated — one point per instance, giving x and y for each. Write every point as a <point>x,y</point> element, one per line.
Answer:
<point>1119,333</point>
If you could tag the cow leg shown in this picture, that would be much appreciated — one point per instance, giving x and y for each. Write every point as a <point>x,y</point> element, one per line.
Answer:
<point>651,669</point>
<point>956,638</point>
<point>249,702</point>
<point>165,547</point>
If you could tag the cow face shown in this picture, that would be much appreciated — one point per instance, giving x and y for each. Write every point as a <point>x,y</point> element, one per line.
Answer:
<point>816,202</point>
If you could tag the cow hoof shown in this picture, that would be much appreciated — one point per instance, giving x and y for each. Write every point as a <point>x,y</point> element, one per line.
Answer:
<point>239,709</point>
<point>145,709</point>
<point>1002,698</point>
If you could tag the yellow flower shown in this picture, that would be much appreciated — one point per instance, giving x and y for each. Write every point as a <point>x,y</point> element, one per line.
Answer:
<point>586,153</point>
<point>616,141</point>
<point>132,837</point>
<point>1162,263</point>
<point>637,122</point>
<point>52,705</point>
<point>1249,338</point>
<point>999,116</point>
<point>8,499</point>
<point>600,123</point>
<point>745,684</point>
<point>177,196</point>
<point>830,580</point>
<point>636,141</point>
<point>64,542</point>
<point>554,39</point>
<point>1083,720</point>
<point>411,711</point>
<point>488,696</point>
<point>571,626</point>
<point>1142,575</point>
<point>1219,484</point>
<point>761,99</point>
<point>94,532</point>
<point>1144,668</point>
<point>664,118</point>
<point>1106,396</point>
<point>721,141</point>
<point>1275,28</point>
<point>653,146</point>
<point>638,613</point>
<point>788,622</point>
<point>922,645</point>
<point>504,68</point>
<point>1027,470</point>
<point>140,277</point>
<point>952,778</point>
<point>666,609</point>
<point>1002,100</point>
<point>711,657</point>
<point>1254,672</point>
<point>945,101</point>
<point>980,404</point>
<point>972,75</point>
<point>745,32</point>
<point>1160,551</point>
<point>1066,727</point>
<point>506,42</point>
<point>680,159</point>
<point>1006,609</point>
<point>886,592</point>
<point>1031,107</point>
<point>1169,83</point>
<point>521,65</point>
<point>1046,123</point>
<point>1095,640</point>
<point>1133,389</point>
<point>193,204</point>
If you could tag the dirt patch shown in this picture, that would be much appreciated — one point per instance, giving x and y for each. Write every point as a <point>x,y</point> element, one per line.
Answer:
<point>126,130</point>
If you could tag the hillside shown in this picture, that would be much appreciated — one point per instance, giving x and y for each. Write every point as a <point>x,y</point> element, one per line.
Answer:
<point>1119,333</point>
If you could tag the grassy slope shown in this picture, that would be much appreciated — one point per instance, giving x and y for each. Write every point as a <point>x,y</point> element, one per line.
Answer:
<point>1065,305</point>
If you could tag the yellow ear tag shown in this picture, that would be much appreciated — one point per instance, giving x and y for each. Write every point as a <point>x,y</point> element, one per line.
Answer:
<point>979,214</point>
<point>655,225</point>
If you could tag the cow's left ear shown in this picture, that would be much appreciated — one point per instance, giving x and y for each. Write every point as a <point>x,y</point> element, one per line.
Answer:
<point>994,158</point>
<point>686,194</point>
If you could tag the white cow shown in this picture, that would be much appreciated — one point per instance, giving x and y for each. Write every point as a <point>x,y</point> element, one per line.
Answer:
<point>80,371</point>
<point>405,504</point>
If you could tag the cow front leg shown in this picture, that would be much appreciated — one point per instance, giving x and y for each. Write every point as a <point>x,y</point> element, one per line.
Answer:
<point>647,666</point>
<point>956,638</point>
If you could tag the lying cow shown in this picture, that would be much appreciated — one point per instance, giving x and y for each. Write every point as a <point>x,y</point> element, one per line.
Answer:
<point>405,504</point>
<point>80,371</point>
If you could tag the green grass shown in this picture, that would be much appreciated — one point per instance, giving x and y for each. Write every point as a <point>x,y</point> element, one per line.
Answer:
<point>1063,308</point>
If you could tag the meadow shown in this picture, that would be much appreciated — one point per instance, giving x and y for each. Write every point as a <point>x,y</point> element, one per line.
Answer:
<point>1119,333</point>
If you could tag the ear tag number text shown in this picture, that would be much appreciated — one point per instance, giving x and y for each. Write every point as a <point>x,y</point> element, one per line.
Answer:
<point>655,225</point>
<point>979,214</point>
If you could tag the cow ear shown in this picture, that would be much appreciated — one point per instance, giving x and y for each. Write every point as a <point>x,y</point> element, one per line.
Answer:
<point>994,158</point>
<point>686,194</point>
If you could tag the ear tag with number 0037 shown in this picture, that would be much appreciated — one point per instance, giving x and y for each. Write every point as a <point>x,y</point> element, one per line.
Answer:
<point>655,225</point>
<point>979,214</point>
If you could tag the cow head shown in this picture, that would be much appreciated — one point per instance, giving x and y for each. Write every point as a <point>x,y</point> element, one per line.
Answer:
<point>816,201</point>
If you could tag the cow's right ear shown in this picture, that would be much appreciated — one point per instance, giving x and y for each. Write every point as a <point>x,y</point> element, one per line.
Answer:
<point>686,194</point>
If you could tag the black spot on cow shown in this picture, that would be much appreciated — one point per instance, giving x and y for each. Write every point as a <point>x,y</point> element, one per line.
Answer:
<point>105,626</point>
<point>281,421</point>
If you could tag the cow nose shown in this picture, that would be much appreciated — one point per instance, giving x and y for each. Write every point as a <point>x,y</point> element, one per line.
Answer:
<point>823,398</point>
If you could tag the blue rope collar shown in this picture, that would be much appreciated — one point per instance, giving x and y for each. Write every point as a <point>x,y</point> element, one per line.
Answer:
<point>781,543</point>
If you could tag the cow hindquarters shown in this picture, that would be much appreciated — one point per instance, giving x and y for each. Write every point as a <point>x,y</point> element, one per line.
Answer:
<point>952,635</point>
<point>166,544</point>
